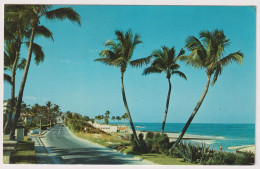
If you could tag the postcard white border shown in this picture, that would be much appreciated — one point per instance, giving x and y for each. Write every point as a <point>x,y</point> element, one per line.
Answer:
<point>135,2</point>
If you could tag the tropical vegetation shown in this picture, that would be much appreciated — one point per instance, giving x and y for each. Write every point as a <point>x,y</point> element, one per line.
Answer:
<point>119,55</point>
<point>207,53</point>
<point>165,61</point>
<point>31,15</point>
<point>22,26</point>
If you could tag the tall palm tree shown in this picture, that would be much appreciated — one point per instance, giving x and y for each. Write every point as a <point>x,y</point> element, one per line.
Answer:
<point>113,118</point>
<point>34,13</point>
<point>11,63</point>
<point>49,111</point>
<point>118,119</point>
<point>207,52</point>
<point>119,54</point>
<point>165,61</point>
<point>107,117</point>
<point>16,28</point>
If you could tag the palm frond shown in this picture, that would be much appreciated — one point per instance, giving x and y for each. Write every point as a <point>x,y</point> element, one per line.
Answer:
<point>174,66</point>
<point>194,45</point>
<point>42,31</point>
<point>181,74</point>
<point>182,51</point>
<point>38,52</point>
<point>217,72</point>
<point>141,62</point>
<point>119,61</point>
<point>151,69</point>
<point>110,43</point>
<point>233,57</point>
<point>64,13</point>
<point>109,54</point>
<point>8,78</point>
<point>21,65</point>
<point>106,61</point>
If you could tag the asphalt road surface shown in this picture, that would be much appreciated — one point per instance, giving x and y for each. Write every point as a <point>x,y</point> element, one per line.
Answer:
<point>65,148</point>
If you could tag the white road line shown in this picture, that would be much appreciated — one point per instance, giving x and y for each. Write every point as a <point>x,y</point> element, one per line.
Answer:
<point>59,131</point>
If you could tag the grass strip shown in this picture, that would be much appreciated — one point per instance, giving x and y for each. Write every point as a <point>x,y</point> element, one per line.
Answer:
<point>109,140</point>
<point>24,153</point>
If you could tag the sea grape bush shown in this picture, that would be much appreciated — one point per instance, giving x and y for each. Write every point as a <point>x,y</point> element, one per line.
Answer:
<point>194,153</point>
<point>153,143</point>
<point>191,153</point>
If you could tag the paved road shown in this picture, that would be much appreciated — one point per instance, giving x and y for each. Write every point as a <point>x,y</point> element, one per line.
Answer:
<point>65,148</point>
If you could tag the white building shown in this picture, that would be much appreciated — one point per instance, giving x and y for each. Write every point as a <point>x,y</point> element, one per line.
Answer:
<point>59,120</point>
<point>111,128</point>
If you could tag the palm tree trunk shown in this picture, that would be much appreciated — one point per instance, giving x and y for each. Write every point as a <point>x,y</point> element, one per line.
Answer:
<point>167,105</point>
<point>7,127</point>
<point>20,96</point>
<point>192,115</point>
<point>127,110</point>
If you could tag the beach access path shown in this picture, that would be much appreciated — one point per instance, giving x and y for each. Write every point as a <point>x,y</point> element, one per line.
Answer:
<point>63,147</point>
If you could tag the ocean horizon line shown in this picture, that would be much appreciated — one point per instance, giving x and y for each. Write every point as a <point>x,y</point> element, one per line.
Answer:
<point>184,123</point>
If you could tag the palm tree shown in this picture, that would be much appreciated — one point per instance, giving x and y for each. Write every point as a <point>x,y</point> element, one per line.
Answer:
<point>49,112</point>
<point>124,116</point>
<point>118,119</point>
<point>107,117</point>
<point>113,118</point>
<point>34,13</point>
<point>11,63</point>
<point>119,54</point>
<point>165,61</point>
<point>56,112</point>
<point>207,53</point>
<point>16,28</point>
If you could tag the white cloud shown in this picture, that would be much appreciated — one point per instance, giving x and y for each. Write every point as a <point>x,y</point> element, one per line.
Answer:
<point>65,61</point>
<point>93,51</point>
<point>30,98</point>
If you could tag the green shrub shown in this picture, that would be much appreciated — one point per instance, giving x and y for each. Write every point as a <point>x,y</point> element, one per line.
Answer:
<point>245,158</point>
<point>193,153</point>
<point>149,135</point>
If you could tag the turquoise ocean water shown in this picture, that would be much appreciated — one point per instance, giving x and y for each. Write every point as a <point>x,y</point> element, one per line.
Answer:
<point>231,134</point>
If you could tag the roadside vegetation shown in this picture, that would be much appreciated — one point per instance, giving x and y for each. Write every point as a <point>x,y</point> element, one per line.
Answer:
<point>24,153</point>
<point>155,147</point>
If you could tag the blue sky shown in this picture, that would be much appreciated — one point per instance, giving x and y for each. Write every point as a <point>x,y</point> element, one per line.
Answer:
<point>70,78</point>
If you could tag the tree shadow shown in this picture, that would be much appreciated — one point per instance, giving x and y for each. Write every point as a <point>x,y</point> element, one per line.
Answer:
<point>92,156</point>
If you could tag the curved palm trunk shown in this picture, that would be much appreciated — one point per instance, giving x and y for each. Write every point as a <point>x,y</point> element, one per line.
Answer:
<point>192,115</point>
<point>20,96</point>
<point>7,127</point>
<point>127,110</point>
<point>167,105</point>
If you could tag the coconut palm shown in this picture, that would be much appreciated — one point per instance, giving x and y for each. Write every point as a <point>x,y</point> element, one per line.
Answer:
<point>34,13</point>
<point>118,119</point>
<point>124,116</point>
<point>11,63</point>
<point>107,117</point>
<point>119,55</point>
<point>165,61</point>
<point>207,52</point>
<point>16,28</point>
<point>113,118</point>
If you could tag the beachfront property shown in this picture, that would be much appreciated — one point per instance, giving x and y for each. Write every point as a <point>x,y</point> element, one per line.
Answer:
<point>59,119</point>
<point>111,128</point>
<point>244,148</point>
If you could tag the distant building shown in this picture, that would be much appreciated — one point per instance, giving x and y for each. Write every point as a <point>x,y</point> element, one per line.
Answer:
<point>27,118</point>
<point>111,128</point>
<point>59,119</point>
